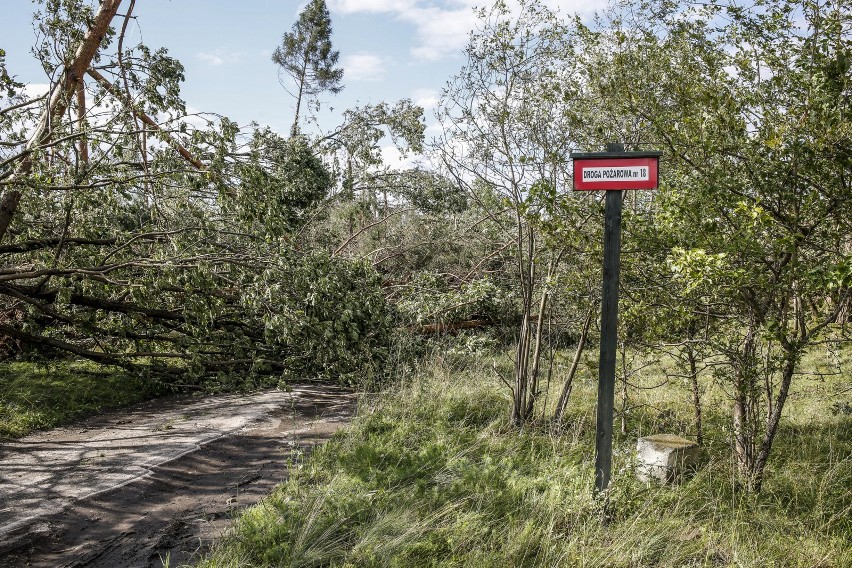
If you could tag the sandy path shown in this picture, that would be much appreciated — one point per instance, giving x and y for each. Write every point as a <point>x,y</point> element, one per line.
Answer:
<point>130,488</point>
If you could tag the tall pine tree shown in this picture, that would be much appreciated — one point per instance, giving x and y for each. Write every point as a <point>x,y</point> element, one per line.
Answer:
<point>305,54</point>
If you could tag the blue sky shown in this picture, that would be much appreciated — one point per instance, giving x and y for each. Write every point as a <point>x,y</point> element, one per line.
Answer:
<point>389,49</point>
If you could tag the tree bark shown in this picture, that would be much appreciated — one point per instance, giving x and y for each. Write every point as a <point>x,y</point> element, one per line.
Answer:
<point>575,363</point>
<point>772,421</point>
<point>39,244</point>
<point>743,417</point>
<point>294,130</point>
<point>624,376</point>
<point>169,139</point>
<point>81,122</point>
<point>526,274</point>
<point>536,358</point>
<point>696,394</point>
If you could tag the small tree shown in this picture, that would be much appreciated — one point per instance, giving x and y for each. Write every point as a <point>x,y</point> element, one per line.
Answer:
<point>305,55</point>
<point>506,141</point>
<point>752,109</point>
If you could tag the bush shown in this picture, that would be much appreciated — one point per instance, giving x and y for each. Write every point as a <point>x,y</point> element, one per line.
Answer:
<point>324,317</point>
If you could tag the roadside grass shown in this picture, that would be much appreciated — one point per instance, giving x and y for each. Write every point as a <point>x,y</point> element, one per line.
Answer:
<point>432,474</point>
<point>35,396</point>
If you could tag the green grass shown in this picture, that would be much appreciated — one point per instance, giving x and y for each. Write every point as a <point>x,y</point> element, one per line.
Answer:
<point>37,396</point>
<point>432,474</point>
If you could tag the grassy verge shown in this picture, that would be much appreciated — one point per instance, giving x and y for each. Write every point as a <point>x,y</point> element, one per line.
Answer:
<point>35,396</point>
<point>432,475</point>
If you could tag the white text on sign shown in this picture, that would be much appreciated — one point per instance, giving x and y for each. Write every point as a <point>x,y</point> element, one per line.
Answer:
<point>624,173</point>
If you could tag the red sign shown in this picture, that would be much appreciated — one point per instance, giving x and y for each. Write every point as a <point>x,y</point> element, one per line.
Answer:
<point>615,173</point>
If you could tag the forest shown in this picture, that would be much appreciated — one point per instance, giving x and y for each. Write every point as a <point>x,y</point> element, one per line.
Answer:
<point>145,253</point>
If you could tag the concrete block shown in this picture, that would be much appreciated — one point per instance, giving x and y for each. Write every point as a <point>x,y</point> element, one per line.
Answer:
<point>664,457</point>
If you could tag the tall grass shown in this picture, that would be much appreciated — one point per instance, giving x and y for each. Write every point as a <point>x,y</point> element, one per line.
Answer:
<point>432,474</point>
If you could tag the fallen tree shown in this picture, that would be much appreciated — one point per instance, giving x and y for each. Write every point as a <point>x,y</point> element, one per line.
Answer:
<point>120,244</point>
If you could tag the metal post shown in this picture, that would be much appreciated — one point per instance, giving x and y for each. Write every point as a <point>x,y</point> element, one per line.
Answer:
<point>609,333</point>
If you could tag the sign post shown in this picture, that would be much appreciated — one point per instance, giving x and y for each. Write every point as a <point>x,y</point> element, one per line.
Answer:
<point>613,171</point>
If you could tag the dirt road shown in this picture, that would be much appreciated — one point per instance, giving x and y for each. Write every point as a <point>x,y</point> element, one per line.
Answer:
<point>162,480</point>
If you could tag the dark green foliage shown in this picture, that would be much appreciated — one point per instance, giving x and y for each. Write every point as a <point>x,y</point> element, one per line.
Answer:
<point>324,317</point>
<point>430,298</point>
<point>305,52</point>
<point>180,231</point>
<point>8,86</point>
<point>158,79</point>
<point>280,185</point>
<point>430,193</point>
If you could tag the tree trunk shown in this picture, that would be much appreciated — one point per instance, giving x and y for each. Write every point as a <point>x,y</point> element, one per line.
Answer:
<point>81,122</point>
<point>562,403</point>
<point>773,419</point>
<point>624,377</point>
<point>526,272</point>
<point>536,358</point>
<point>743,437</point>
<point>518,403</point>
<point>744,426</point>
<point>696,393</point>
<point>294,130</point>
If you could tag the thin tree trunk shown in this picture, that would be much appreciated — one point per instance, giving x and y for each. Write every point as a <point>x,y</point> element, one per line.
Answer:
<point>562,403</point>
<point>526,272</point>
<point>743,419</point>
<point>772,421</point>
<point>550,359</point>
<point>518,406</point>
<point>294,130</point>
<point>522,369</point>
<point>767,380</point>
<point>696,394</point>
<point>741,435</point>
<point>81,120</point>
<point>623,413</point>
<point>536,358</point>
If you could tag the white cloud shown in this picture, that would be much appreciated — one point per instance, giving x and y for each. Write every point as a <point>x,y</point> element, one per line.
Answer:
<point>197,119</point>
<point>442,27</point>
<point>425,98</point>
<point>352,6</point>
<point>217,57</point>
<point>364,67</point>
<point>441,32</point>
<point>33,90</point>
<point>392,157</point>
<point>434,130</point>
<point>210,59</point>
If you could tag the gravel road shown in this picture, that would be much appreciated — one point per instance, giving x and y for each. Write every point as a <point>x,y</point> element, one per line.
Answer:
<point>161,480</point>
